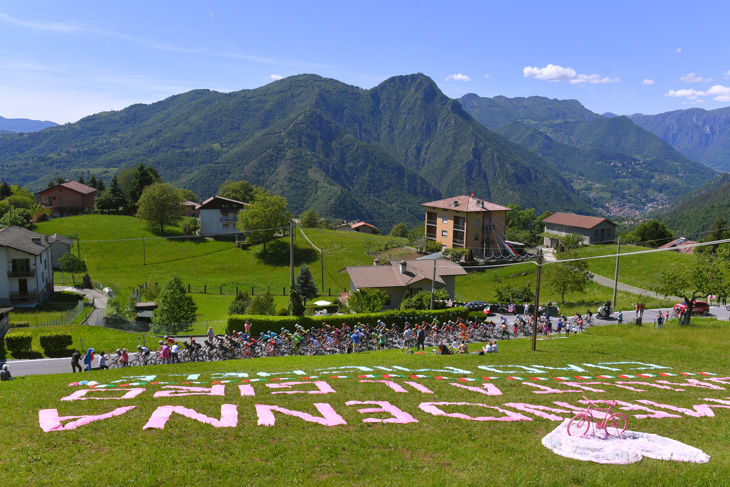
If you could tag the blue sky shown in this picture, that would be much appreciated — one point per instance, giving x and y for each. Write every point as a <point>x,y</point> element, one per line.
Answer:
<point>61,61</point>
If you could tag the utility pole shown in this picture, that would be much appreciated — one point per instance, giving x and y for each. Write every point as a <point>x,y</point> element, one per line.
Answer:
<point>537,298</point>
<point>321,256</point>
<point>615,276</point>
<point>433,281</point>
<point>291,255</point>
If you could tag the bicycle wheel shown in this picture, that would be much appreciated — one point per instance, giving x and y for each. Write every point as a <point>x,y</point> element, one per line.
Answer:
<point>578,426</point>
<point>616,424</point>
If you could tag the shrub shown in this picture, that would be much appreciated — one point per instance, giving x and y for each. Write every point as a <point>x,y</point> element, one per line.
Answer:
<point>19,324</point>
<point>56,342</point>
<point>19,343</point>
<point>239,304</point>
<point>261,324</point>
<point>282,312</point>
<point>422,300</point>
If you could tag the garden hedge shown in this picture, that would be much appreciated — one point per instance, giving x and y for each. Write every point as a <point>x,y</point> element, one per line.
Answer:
<point>56,342</point>
<point>260,324</point>
<point>19,324</point>
<point>18,343</point>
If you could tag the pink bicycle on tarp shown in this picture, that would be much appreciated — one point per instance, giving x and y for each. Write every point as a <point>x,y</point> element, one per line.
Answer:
<point>613,423</point>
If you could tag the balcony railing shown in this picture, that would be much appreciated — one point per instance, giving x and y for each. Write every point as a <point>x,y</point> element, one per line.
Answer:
<point>229,218</point>
<point>432,222</point>
<point>17,295</point>
<point>459,228</point>
<point>22,273</point>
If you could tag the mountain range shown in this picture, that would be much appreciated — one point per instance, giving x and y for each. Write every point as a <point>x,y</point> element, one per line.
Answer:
<point>374,154</point>
<point>701,135</point>
<point>618,167</point>
<point>347,152</point>
<point>14,125</point>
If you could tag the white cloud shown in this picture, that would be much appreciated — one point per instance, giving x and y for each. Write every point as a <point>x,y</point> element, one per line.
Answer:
<point>690,94</point>
<point>726,73</point>
<point>458,77</point>
<point>555,73</point>
<point>679,49</point>
<point>275,77</point>
<point>718,92</point>
<point>693,78</point>
<point>486,76</point>
<point>43,26</point>
<point>551,72</point>
<point>647,82</point>
<point>721,93</point>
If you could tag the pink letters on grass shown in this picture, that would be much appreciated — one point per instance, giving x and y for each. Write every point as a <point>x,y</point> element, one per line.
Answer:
<point>49,420</point>
<point>538,410</point>
<point>399,416</point>
<point>433,408</point>
<point>229,416</point>
<point>329,416</point>
<point>399,388</point>
<point>178,391</point>
<point>698,411</point>
<point>322,387</point>
<point>487,388</point>
<point>80,395</point>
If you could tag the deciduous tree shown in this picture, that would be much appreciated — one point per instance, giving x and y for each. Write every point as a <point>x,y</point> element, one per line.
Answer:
<point>72,264</point>
<point>264,218</point>
<point>175,311</point>
<point>161,204</point>
<point>366,300</point>
<point>563,277</point>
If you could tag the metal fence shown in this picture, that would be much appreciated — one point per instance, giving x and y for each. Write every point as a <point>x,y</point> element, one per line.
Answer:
<point>67,317</point>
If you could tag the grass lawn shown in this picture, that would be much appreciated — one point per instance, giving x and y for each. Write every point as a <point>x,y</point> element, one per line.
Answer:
<point>95,337</point>
<point>116,256</point>
<point>483,286</point>
<point>433,450</point>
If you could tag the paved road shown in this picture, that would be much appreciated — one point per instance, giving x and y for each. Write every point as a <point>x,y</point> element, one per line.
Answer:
<point>98,298</point>
<point>605,281</point>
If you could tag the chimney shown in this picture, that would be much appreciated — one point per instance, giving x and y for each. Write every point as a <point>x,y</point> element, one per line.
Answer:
<point>36,240</point>
<point>456,202</point>
<point>376,262</point>
<point>402,266</point>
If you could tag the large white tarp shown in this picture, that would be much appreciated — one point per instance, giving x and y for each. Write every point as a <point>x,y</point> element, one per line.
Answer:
<point>629,447</point>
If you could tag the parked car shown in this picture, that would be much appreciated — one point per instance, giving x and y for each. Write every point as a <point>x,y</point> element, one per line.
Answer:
<point>476,305</point>
<point>700,307</point>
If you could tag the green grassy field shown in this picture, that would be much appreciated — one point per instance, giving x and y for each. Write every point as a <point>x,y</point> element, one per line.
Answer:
<point>116,256</point>
<point>435,450</point>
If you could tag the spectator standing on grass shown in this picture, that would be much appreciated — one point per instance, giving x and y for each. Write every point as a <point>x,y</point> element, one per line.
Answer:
<point>125,358</point>
<point>75,359</point>
<point>210,334</point>
<point>5,373</point>
<point>355,341</point>
<point>173,352</point>
<point>659,320</point>
<point>620,317</point>
<point>407,333</point>
<point>421,339</point>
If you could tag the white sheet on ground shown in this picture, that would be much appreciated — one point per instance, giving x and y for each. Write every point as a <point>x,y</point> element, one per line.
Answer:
<point>630,447</point>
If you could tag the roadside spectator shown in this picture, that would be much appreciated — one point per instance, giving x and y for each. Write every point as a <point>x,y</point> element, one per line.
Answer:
<point>210,334</point>
<point>659,320</point>
<point>102,360</point>
<point>5,373</point>
<point>355,341</point>
<point>75,358</point>
<point>125,358</point>
<point>407,334</point>
<point>88,359</point>
<point>463,348</point>
<point>173,353</point>
<point>620,317</point>
<point>494,346</point>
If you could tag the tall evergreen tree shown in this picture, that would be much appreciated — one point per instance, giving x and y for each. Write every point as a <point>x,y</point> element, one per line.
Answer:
<point>296,307</point>
<point>305,285</point>
<point>92,182</point>
<point>5,190</point>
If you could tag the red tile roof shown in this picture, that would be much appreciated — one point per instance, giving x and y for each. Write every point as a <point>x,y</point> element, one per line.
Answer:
<point>679,242</point>
<point>466,204</point>
<point>358,225</point>
<point>579,221</point>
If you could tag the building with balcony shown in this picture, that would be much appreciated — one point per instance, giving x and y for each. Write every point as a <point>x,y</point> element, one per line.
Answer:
<point>219,215</point>
<point>592,229</point>
<point>469,223</point>
<point>26,271</point>
<point>68,198</point>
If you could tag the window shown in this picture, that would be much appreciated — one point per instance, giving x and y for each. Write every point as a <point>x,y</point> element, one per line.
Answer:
<point>595,233</point>
<point>476,236</point>
<point>444,233</point>
<point>225,226</point>
<point>476,222</point>
<point>445,219</point>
